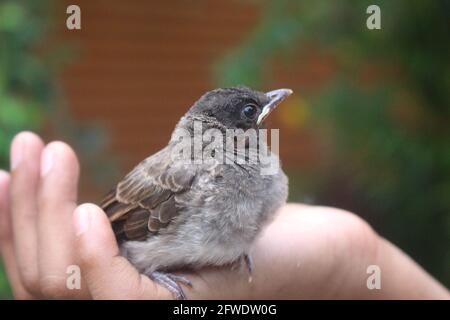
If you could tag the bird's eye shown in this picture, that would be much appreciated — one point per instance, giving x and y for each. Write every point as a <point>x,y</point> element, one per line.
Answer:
<point>249,111</point>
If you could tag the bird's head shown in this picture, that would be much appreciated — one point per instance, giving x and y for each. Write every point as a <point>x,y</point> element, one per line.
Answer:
<point>237,107</point>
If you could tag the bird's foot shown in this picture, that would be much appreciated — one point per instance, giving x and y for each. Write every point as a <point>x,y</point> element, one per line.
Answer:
<point>171,282</point>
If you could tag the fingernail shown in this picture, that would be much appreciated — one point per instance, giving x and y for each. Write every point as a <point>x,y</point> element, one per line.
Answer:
<point>82,220</point>
<point>17,151</point>
<point>47,161</point>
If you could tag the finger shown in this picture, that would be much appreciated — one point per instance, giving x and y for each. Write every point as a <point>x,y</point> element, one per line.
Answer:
<point>56,201</point>
<point>6,241</point>
<point>108,275</point>
<point>25,162</point>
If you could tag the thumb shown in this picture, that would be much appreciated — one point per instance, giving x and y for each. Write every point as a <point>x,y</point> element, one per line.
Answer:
<point>107,274</point>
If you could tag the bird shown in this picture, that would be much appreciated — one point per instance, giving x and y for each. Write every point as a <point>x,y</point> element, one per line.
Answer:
<point>185,212</point>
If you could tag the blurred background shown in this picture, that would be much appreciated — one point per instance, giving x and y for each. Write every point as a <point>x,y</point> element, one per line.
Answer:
<point>368,128</point>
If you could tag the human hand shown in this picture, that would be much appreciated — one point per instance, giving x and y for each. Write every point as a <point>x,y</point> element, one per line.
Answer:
<point>306,252</point>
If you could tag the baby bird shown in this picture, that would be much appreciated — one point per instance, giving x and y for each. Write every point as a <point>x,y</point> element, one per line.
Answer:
<point>175,212</point>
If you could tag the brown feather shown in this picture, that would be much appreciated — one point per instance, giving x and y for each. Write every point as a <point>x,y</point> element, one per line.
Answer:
<point>143,202</point>
<point>109,198</point>
<point>135,226</point>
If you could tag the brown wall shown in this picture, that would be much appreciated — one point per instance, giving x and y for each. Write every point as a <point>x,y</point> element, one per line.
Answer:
<point>141,64</point>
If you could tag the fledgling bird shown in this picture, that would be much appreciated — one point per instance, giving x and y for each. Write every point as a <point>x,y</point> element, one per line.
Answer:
<point>169,214</point>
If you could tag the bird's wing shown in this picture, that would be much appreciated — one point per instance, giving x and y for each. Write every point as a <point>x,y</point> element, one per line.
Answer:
<point>144,201</point>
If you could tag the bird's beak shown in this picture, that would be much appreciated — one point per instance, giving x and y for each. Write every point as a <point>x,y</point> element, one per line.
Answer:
<point>275,96</point>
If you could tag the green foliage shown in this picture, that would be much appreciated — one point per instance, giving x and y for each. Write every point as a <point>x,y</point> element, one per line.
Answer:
<point>25,88</point>
<point>385,142</point>
<point>275,34</point>
<point>24,80</point>
<point>29,96</point>
<point>5,291</point>
<point>25,77</point>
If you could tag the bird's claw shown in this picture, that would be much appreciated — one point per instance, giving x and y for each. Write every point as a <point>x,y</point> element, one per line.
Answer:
<point>171,282</point>
<point>248,262</point>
